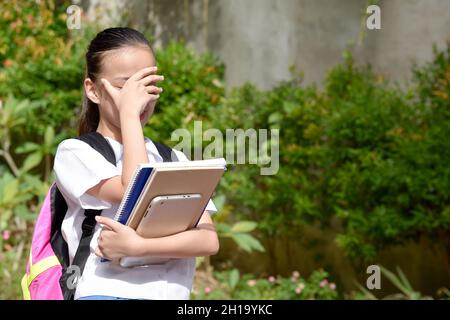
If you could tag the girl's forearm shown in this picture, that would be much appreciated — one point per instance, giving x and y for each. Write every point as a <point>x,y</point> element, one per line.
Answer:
<point>134,151</point>
<point>191,243</point>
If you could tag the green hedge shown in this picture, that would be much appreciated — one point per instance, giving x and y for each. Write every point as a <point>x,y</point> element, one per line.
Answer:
<point>360,150</point>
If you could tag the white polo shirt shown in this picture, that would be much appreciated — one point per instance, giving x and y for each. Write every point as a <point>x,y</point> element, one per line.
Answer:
<point>77,168</point>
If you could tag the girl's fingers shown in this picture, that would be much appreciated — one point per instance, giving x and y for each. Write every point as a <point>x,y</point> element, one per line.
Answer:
<point>142,73</point>
<point>151,79</point>
<point>98,253</point>
<point>153,90</point>
<point>108,222</point>
<point>109,88</point>
<point>153,97</point>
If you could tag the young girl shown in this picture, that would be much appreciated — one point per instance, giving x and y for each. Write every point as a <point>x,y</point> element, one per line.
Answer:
<point>120,96</point>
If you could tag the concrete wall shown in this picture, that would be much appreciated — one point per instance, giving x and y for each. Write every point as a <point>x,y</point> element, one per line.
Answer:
<point>258,40</point>
<point>409,30</point>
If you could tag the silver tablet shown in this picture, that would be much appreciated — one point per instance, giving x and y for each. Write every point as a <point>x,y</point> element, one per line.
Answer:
<point>166,215</point>
<point>170,214</point>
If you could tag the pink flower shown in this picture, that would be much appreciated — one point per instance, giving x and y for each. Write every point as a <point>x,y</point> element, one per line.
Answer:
<point>271,279</point>
<point>332,286</point>
<point>295,274</point>
<point>207,290</point>
<point>323,283</point>
<point>251,283</point>
<point>300,288</point>
<point>6,235</point>
<point>7,63</point>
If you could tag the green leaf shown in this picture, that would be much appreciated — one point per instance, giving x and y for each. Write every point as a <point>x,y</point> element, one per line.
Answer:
<point>242,241</point>
<point>5,216</point>
<point>31,161</point>
<point>244,226</point>
<point>275,118</point>
<point>395,280</point>
<point>368,295</point>
<point>198,261</point>
<point>23,213</point>
<point>21,106</point>
<point>234,278</point>
<point>35,184</point>
<point>256,245</point>
<point>404,280</point>
<point>10,191</point>
<point>223,229</point>
<point>289,107</point>
<point>49,136</point>
<point>247,242</point>
<point>219,201</point>
<point>27,147</point>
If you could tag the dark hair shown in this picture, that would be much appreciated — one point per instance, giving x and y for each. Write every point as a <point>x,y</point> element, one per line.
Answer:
<point>108,39</point>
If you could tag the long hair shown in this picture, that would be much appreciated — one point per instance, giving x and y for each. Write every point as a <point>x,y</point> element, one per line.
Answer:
<point>108,39</point>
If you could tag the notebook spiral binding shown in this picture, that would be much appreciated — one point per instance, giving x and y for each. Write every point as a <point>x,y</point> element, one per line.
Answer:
<point>123,204</point>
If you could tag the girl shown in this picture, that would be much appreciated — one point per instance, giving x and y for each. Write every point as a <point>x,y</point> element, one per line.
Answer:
<point>120,96</point>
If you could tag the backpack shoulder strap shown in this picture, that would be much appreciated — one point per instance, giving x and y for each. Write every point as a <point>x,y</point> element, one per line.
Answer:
<point>68,282</point>
<point>99,143</point>
<point>166,152</point>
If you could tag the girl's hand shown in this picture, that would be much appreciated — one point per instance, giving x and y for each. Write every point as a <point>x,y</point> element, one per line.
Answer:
<point>117,240</point>
<point>137,92</point>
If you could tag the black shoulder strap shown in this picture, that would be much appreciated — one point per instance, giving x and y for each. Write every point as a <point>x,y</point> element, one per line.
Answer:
<point>98,142</point>
<point>166,152</point>
<point>69,280</point>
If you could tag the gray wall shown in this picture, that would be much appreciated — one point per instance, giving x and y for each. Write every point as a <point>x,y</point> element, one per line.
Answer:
<point>258,40</point>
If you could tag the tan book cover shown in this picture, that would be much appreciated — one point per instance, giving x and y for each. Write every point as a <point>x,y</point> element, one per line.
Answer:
<point>173,181</point>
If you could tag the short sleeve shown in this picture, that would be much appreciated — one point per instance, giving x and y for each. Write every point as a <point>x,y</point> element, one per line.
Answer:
<point>210,207</point>
<point>78,167</point>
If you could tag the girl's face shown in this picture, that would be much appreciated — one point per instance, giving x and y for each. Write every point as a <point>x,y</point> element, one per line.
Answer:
<point>117,66</point>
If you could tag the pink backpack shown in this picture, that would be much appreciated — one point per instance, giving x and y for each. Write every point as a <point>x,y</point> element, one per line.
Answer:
<point>49,274</point>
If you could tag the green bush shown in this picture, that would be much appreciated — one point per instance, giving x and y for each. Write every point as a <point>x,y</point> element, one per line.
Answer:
<point>360,150</point>
<point>390,156</point>
<point>41,60</point>
<point>286,196</point>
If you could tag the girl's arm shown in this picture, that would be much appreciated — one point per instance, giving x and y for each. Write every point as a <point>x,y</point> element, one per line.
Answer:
<point>134,151</point>
<point>117,241</point>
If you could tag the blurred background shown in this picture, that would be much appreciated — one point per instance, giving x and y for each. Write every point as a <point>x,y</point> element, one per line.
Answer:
<point>364,119</point>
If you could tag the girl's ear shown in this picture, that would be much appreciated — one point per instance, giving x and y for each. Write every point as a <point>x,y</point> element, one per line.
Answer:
<point>91,92</point>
